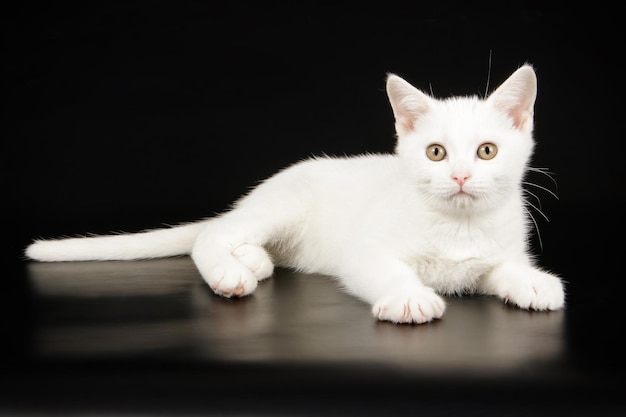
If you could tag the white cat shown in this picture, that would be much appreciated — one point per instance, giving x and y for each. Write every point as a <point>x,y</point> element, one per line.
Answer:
<point>443,215</point>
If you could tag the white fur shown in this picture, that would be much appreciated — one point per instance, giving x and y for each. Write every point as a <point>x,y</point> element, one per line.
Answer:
<point>393,229</point>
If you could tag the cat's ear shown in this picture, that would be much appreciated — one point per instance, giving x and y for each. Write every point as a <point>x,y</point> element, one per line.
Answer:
<point>408,103</point>
<point>516,97</point>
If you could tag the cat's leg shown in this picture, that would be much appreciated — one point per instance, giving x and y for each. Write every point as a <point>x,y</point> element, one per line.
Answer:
<point>393,289</point>
<point>525,286</point>
<point>230,252</point>
<point>230,257</point>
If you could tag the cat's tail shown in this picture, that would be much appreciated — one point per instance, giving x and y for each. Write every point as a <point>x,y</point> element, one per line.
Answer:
<point>159,243</point>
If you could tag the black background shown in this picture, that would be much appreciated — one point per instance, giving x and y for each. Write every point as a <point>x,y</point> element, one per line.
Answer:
<point>122,116</point>
<point>133,114</point>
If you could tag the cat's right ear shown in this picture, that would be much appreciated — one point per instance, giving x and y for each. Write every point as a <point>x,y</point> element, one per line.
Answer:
<point>408,103</point>
<point>516,97</point>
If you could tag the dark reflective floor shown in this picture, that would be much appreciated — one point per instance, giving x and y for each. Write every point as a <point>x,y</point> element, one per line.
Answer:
<point>161,308</point>
<point>149,337</point>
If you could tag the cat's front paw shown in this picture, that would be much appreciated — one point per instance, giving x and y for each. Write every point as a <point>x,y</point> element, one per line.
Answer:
<point>417,306</point>
<point>528,288</point>
<point>539,291</point>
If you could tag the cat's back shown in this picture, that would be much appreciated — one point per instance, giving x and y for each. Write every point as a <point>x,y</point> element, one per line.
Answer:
<point>361,171</point>
<point>354,183</point>
<point>330,184</point>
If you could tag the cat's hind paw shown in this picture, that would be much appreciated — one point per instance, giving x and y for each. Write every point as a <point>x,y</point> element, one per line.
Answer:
<point>418,307</point>
<point>256,259</point>
<point>233,273</point>
<point>231,279</point>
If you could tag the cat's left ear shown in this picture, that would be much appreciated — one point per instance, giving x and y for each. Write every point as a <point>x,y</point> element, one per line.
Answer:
<point>516,97</point>
<point>408,103</point>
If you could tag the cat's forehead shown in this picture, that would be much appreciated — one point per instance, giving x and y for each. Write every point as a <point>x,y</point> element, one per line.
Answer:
<point>464,117</point>
<point>461,106</point>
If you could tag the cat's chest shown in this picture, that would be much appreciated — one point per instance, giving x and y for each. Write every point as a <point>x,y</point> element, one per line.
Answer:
<point>449,276</point>
<point>460,241</point>
<point>454,257</point>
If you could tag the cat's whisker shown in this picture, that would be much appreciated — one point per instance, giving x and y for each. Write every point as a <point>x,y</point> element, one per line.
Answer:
<point>546,172</point>
<point>534,196</point>
<point>543,170</point>
<point>488,76</point>
<point>532,218</point>
<point>552,193</point>
<point>538,210</point>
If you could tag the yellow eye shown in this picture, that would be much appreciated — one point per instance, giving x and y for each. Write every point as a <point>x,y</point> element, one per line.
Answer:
<point>487,151</point>
<point>436,152</point>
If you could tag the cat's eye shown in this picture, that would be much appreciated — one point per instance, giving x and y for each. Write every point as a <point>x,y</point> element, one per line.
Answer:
<point>436,152</point>
<point>487,151</point>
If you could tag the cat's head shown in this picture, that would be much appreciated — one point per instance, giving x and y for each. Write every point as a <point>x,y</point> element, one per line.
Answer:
<point>465,153</point>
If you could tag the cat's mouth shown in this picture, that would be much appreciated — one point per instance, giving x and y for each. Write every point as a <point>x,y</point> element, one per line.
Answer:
<point>462,197</point>
<point>463,193</point>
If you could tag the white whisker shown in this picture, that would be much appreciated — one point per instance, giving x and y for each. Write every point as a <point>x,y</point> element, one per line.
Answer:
<point>533,195</point>
<point>552,193</point>
<point>488,75</point>
<point>546,172</point>
<point>529,204</point>
<point>538,210</point>
<point>532,218</point>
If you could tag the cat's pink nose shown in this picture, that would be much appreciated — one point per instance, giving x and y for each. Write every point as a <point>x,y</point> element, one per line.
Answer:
<point>461,179</point>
